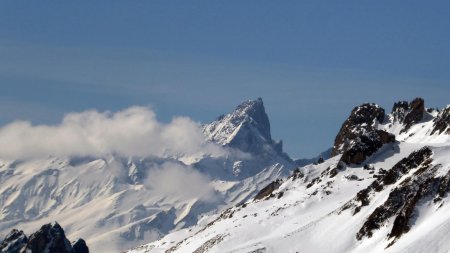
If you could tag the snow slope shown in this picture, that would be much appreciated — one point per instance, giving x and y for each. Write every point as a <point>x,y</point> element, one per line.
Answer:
<point>112,201</point>
<point>396,200</point>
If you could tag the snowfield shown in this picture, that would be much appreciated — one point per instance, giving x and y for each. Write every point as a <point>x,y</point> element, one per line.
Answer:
<point>117,202</point>
<point>395,201</point>
<point>382,187</point>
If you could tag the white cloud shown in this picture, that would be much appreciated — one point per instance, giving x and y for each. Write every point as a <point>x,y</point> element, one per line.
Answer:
<point>131,132</point>
<point>179,181</point>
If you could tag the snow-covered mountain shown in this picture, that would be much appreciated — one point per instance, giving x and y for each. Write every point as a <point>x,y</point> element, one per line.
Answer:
<point>117,202</point>
<point>384,190</point>
<point>247,128</point>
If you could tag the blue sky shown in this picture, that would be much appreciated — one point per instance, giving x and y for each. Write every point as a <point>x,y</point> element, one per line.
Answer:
<point>311,61</point>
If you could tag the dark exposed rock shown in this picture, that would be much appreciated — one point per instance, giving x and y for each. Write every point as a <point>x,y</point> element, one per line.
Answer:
<point>209,244</point>
<point>352,177</point>
<point>49,239</point>
<point>296,174</point>
<point>80,247</point>
<point>403,200</point>
<point>321,160</point>
<point>442,122</point>
<point>313,182</point>
<point>333,172</point>
<point>359,122</point>
<point>408,114</point>
<point>365,145</point>
<point>267,191</point>
<point>13,242</point>
<point>358,137</point>
<point>368,167</point>
<point>406,164</point>
<point>416,109</point>
<point>414,160</point>
<point>399,111</point>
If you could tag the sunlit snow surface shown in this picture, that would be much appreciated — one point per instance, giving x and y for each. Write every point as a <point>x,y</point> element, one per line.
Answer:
<point>98,200</point>
<point>116,203</point>
<point>312,219</point>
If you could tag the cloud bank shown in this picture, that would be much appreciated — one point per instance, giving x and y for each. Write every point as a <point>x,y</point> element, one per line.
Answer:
<point>179,181</point>
<point>131,132</point>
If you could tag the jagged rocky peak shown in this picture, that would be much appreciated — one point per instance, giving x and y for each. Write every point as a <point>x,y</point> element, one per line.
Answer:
<point>50,238</point>
<point>361,120</point>
<point>359,137</point>
<point>254,111</point>
<point>246,128</point>
<point>399,111</point>
<point>441,123</point>
<point>13,242</point>
<point>408,114</point>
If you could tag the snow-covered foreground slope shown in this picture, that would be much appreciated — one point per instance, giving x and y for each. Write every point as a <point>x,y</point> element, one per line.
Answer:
<point>116,202</point>
<point>394,198</point>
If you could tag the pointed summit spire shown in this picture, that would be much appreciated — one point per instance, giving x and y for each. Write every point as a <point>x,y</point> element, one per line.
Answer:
<point>246,128</point>
<point>254,110</point>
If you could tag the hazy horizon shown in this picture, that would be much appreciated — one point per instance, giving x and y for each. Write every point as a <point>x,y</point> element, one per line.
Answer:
<point>311,62</point>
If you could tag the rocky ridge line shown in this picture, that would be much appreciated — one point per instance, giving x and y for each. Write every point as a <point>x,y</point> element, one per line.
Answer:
<point>50,238</point>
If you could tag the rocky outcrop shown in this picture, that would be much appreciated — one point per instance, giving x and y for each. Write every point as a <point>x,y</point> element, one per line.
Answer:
<point>408,114</point>
<point>13,242</point>
<point>365,145</point>
<point>441,124</point>
<point>385,178</point>
<point>359,122</point>
<point>267,192</point>
<point>423,185</point>
<point>48,239</point>
<point>414,114</point>
<point>358,137</point>
<point>399,111</point>
<point>80,246</point>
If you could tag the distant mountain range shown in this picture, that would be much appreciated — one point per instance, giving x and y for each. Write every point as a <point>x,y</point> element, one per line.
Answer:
<point>111,202</point>
<point>381,187</point>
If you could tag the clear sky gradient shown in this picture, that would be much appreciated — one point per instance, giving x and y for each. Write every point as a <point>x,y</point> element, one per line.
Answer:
<point>311,61</point>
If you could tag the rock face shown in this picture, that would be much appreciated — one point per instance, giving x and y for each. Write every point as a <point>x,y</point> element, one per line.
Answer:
<point>414,113</point>
<point>403,200</point>
<point>399,111</point>
<point>442,122</point>
<point>80,246</point>
<point>403,167</point>
<point>246,128</point>
<point>13,242</point>
<point>358,137</point>
<point>358,123</point>
<point>365,145</point>
<point>267,191</point>
<point>48,239</point>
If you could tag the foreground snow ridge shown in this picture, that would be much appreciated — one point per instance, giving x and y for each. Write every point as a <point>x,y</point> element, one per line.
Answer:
<point>384,190</point>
